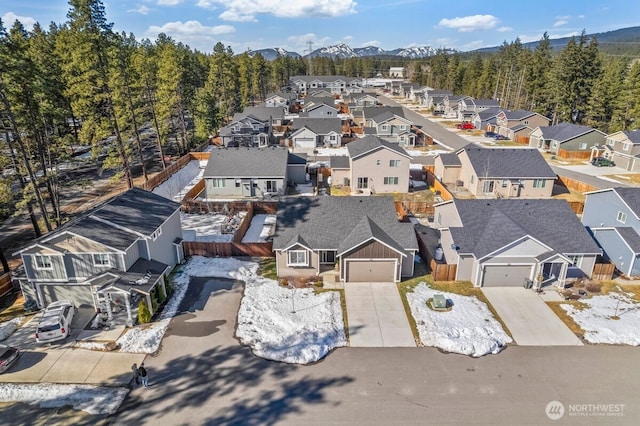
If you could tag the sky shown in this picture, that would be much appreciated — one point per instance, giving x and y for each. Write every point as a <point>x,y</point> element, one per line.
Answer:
<point>389,24</point>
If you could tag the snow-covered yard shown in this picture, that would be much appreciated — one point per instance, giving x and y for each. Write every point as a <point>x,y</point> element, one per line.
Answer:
<point>332,151</point>
<point>8,327</point>
<point>596,318</point>
<point>208,227</point>
<point>468,328</point>
<point>182,181</point>
<point>262,227</point>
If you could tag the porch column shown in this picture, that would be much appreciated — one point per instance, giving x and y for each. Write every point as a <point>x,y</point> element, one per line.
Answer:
<point>563,275</point>
<point>148,297</point>
<point>164,287</point>
<point>107,304</point>
<point>127,303</point>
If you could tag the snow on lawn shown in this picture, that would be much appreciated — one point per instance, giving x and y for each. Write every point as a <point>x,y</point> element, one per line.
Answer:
<point>8,327</point>
<point>468,328</point>
<point>262,227</point>
<point>332,151</point>
<point>307,189</point>
<point>92,399</point>
<point>207,227</point>
<point>182,181</point>
<point>595,319</point>
<point>267,323</point>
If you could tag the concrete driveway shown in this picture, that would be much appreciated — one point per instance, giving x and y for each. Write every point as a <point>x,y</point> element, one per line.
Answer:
<point>530,320</point>
<point>376,316</point>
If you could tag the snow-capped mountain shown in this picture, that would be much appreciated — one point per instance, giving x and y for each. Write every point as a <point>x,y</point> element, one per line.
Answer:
<point>339,50</point>
<point>273,53</point>
<point>369,51</point>
<point>414,52</point>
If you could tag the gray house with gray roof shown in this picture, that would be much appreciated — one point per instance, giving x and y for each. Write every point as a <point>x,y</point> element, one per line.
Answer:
<point>504,242</point>
<point>118,253</point>
<point>360,238</point>
<point>566,137</point>
<point>613,217</point>
<point>310,133</point>
<point>246,173</point>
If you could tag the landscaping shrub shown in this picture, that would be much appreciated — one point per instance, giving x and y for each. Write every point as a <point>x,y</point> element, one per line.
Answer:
<point>144,316</point>
<point>593,287</point>
<point>284,282</point>
<point>161,295</point>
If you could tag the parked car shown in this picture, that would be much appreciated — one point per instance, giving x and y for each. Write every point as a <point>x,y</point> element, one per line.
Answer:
<point>55,323</point>
<point>489,134</point>
<point>8,355</point>
<point>601,161</point>
<point>500,138</point>
<point>465,126</point>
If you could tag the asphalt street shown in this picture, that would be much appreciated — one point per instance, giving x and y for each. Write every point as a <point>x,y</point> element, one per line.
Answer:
<point>203,376</point>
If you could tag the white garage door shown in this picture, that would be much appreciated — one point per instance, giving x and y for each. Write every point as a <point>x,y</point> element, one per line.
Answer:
<point>501,276</point>
<point>371,271</point>
<point>305,143</point>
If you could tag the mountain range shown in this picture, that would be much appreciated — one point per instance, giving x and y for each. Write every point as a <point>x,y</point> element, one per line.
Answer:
<point>343,51</point>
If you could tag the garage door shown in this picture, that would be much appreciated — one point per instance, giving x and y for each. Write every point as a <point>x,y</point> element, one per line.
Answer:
<point>305,143</point>
<point>501,276</point>
<point>372,271</point>
<point>79,294</point>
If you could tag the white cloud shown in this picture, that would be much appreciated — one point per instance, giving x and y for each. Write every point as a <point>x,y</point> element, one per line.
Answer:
<point>470,23</point>
<point>193,33</point>
<point>347,38</point>
<point>375,43</point>
<point>246,10</point>
<point>530,38</point>
<point>9,18</point>
<point>302,39</point>
<point>560,23</point>
<point>206,4</point>
<point>142,9</point>
<point>504,29</point>
<point>445,42</point>
<point>169,2</point>
<point>580,16</point>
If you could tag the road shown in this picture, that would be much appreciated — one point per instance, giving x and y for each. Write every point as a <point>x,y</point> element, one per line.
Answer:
<point>441,135</point>
<point>202,376</point>
<point>588,179</point>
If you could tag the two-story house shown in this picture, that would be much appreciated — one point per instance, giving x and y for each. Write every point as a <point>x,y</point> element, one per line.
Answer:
<point>486,119</point>
<point>451,105</point>
<point>357,101</point>
<point>310,133</point>
<point>565,137</point>
<point>623,148</point>
<point>372,166</point>
<point>428,100</point>
<point>246,173</point>
<point>120,252</point>
<point>336,84</point>
<point>497,172</point>
<point>254,126</point>
<point>280,100</point>
<point>390,124</point>
<point>519,122</point>
<point>468,107</point>
<point>613,217</point>
<point>324,109</point>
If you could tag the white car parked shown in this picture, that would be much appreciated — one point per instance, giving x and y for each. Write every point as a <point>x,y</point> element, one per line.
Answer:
<point>55,323</point>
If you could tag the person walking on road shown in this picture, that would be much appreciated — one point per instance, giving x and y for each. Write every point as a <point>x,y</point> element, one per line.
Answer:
<point>143,375</point>
<point>136,373</point>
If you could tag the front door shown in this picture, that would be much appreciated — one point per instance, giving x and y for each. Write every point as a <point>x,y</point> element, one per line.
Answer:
<point>551,273</point>
<point>247,188</point>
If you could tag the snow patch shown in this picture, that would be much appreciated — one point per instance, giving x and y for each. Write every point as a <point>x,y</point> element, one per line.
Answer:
<point>8,327</point>
<point>332,151</point>
<point>262,227</point>
<point>176,187</point>
<point>208,227</point>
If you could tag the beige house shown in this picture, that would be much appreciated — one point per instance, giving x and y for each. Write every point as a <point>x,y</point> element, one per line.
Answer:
<point>497,172</point>
<point>623,148</point>
<point>512,123</point>
<point>373,166</point>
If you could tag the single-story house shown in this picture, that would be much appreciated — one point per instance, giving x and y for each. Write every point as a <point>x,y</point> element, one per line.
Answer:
<point>566,137</point>
<point>310,133</point>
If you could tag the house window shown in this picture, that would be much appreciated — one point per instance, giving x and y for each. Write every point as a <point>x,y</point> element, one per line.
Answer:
<point>439,222</point>
<point>525,122</point>
<point>583,145</point>
<point>43,262</point>
<point>622,217</point>
<point>272,186</point>
<point>218,183</point>
<point>238,181</point>
<point>332,137</point>
<point>539,183</point>
<point>390,180</point>
<point>394,163</point>
<point>505,183</point>
<point>611,142</point>
<point>297,258</point>
<point>402,127</point>
<point>383,127</point>
<point>363,182</point>
<point>156,234</point>
<point>576,260</point>
<point>473,179</point>
<point>626,146</point>
<point>487,187</point>
<point>377,162</point>
<point>101,259</point>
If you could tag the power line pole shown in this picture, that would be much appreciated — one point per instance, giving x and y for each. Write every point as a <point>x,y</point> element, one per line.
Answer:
<point>310,49</point>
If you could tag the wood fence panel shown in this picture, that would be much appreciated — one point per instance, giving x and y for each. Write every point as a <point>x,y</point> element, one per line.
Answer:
<point>5,284</point>
<point>244,225</point>
<point>524,140</point>
<point>213,249</point>
<point>575,184</point>
<point>193,192</point>
<point>200,156</point>
<point>580,155</point>
<point>603,271</point>
<point>443,271</point>
<point>577,206</point>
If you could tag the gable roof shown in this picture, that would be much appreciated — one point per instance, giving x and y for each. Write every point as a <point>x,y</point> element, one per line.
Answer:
<point>319,126</point>
<point>374,112</point>
<point>631,197</point>
<point>488,225</point>
<point>632,135</point>
<point>262,113</point>
<point>630,237</point>
<point>371,143</point>
<point>297,158</point>
<point>247,162</point>
<point>486,103</point>
<point>488,113</point>
<point>450,159</point>
<point>314,221</point>
<point>565,131</point>
<point>519,114</point>
<point>508,162</point>
<point>339,162</point>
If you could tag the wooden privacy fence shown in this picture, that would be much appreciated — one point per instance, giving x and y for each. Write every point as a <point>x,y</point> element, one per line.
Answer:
<point>603,271</point>
<point>580,155</point>
<point>213,249</point>
<point>575,184</point>
<point>576,206</point>
<point>443,271</point>
<point>5,284</point>
<point>524,140</point>
<point>418,207</point>
<point>228,207</point>
<point>172,168</point>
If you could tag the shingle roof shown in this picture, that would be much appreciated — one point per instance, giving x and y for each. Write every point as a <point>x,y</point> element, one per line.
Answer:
<point>370,143</point>
<point>488,113</point>
<point>630,236</point>
<point>489,103</point>
<point>339,162</point>
<point>323,78</point>
<point>518,114</point>
<point>450,159</point>
<point>375,112</point>
<point>247,162</point>
<point>488,225</point>
<point>631,196</point>
<point>333,223</point>
<point>565,131</point>
<point>103,233</point>
<point>297,158</point>
<point>262,113</point>
<point>319,126</point>
<point>633,135</point>
<point>508,162</point>
<point>519,127</point>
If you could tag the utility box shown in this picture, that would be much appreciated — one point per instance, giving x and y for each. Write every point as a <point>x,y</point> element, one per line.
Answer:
<point>527,283</point>
<point>439,301</point>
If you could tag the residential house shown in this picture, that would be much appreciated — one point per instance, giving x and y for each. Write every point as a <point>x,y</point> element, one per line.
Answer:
<point>280,100</point>
<point>254,126</point>
<point>451,105</point>
<point>486,119</point>
<point>613,217</point>
<point>246,173</point>
<point>336,84</point>
<point>497,172</point>
<point>504,242</point>
<point>297,167</point>
<point>116,254</point>
<point>376,166</point>
<point>468,107</point>
<point>396,72</point>
<point>310,133</point>
<point>321,93</point>
<point>390,124</point>
<point>566,137</point>
<point>357,101</point>
<point>623,148</point>
<point>434,98</point>
<point>519,122</point>
<point>319,110</point>
<point>360,238</point>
